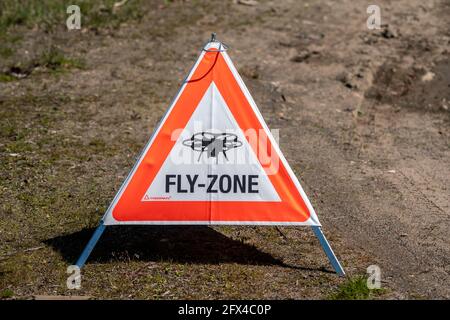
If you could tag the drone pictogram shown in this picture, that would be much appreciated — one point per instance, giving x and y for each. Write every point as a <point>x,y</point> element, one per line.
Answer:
<point>212,143</point>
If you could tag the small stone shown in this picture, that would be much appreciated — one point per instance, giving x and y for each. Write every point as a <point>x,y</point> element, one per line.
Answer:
<point>428,76</point>
<point>249,3</point>
<point>346,79</point>
<point>389,32</point>
<point>302,56</point>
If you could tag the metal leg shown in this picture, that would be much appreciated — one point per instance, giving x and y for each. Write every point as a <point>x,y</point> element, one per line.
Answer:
<point>91,244</point>
<point>329,252</point>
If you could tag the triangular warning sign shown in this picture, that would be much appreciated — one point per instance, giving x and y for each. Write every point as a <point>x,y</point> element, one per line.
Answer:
<point>212,160</point>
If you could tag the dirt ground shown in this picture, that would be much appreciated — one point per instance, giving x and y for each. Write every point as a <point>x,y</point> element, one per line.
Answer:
<point>364,122</point>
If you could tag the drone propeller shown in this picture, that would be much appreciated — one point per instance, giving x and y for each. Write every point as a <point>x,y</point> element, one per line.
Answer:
<point>212,143</point>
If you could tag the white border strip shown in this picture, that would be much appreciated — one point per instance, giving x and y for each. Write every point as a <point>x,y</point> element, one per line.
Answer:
<point>212,223</point>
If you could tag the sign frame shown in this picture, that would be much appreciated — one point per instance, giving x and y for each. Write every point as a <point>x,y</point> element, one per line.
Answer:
<point>101,228</point>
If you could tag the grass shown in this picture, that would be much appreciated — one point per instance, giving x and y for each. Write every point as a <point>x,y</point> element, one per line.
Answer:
<point>7,47</point>
<point>54,59</point>
<point>28,12</point>
<point>7,293</point>
<point>6,52</point>
<point>47,14</point>
<point>6,77</point>
<point>355,289</point>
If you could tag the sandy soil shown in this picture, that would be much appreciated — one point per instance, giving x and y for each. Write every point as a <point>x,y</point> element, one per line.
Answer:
<point>363,118</point>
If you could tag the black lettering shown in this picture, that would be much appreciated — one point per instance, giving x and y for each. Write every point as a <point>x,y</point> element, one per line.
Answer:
<point>179,190</point>
<point>228,183</point>
<point>252,183</point>
<point>192,181</point>
<point>168,182</point>
<point>237,181</point>
<point>211,184</point>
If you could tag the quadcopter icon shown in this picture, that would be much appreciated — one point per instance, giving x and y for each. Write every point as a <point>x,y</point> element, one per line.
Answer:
<point>212,143</point>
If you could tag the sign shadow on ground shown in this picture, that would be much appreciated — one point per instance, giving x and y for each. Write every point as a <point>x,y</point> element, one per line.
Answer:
<point>181,244</point>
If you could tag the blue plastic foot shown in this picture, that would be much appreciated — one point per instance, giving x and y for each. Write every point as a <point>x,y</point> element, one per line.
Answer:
<point>329,252</point>
<point>91,244</point>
